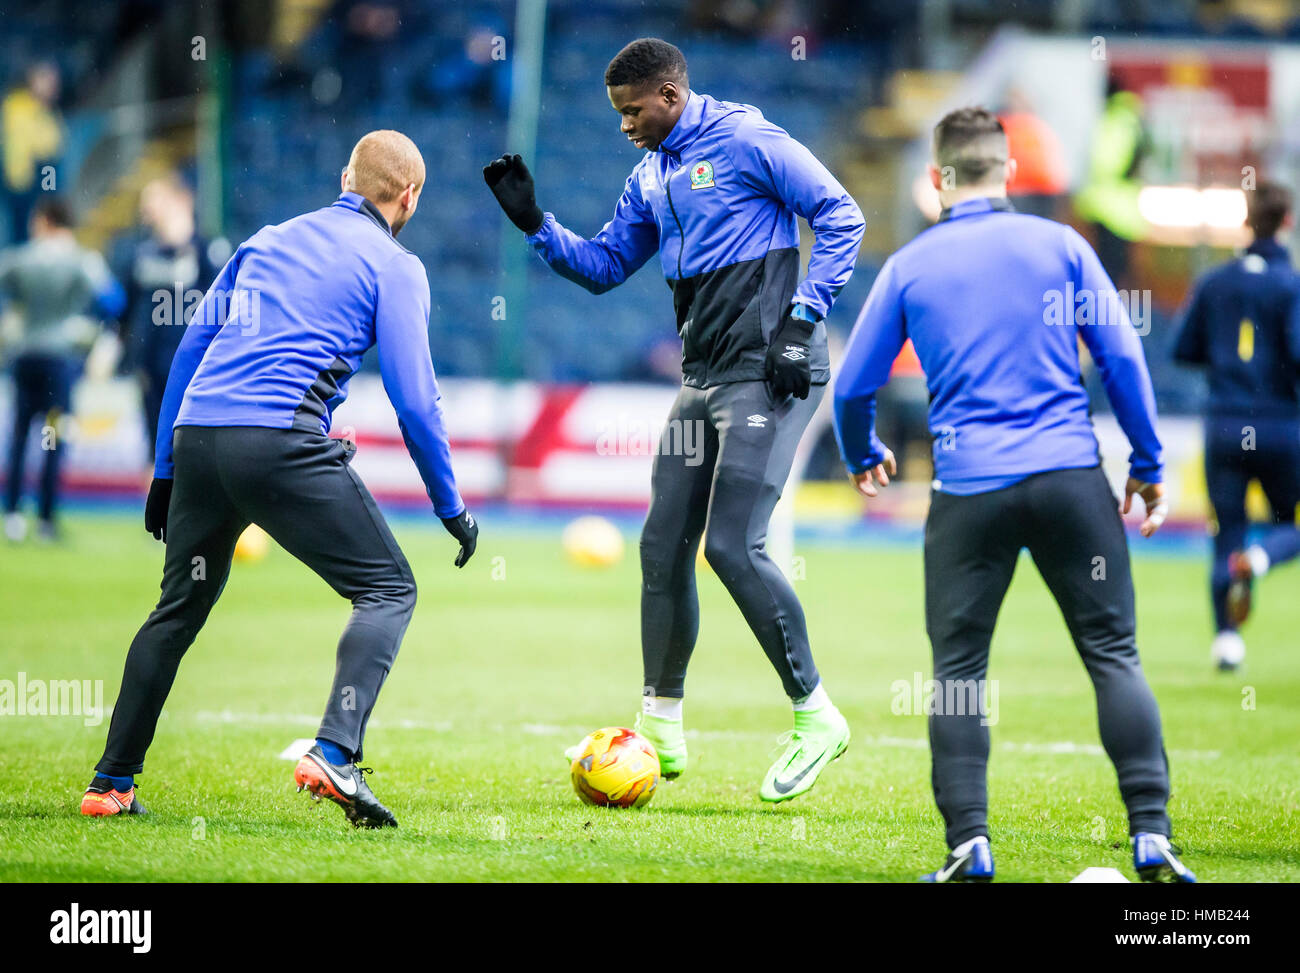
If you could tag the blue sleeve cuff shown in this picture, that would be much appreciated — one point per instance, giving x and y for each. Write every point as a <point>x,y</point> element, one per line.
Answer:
<point>874,458</point>
<point>1146,472</point>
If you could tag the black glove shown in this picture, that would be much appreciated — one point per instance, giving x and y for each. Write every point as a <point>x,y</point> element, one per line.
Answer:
<point>155,508</point>
<point>788,369</point>
<point>465,529</point>
<point>512,184</point>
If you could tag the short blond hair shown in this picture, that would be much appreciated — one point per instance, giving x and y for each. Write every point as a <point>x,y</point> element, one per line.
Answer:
<point>383,163</point>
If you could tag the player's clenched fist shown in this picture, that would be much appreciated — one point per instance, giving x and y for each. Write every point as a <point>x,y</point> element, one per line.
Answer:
<point>512,184</point>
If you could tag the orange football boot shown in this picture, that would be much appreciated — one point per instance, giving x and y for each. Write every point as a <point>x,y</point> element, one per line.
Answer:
<point>103,799</point>
<point>345,785</point>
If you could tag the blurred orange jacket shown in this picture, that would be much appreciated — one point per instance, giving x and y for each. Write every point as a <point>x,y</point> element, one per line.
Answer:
<point>1040,161</point>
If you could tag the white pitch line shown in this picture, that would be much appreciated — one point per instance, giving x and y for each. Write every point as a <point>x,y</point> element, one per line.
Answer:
<point>1062,747</point>
<point>303,719</point>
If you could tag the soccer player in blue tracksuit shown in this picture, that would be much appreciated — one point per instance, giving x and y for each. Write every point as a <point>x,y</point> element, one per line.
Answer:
<point>717,194</point>
<point>1243,326</point>
<point>242,439</point>
<point>994,303</point>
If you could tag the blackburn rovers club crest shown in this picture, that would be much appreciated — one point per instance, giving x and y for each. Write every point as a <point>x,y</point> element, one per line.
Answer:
<point>702,175</point>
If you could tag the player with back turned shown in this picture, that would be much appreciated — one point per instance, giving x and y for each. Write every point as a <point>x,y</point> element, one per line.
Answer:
<point>265,360</point>
<point>1016,465</point>
<point>1243,326</point>
<point>717,194</point>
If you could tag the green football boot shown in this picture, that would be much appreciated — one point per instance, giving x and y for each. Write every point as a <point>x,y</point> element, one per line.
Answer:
<point>669,740</point>
<point>818,737</point>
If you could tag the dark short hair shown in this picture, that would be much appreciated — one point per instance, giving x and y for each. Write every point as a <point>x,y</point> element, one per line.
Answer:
<point>1267,205</point>
<point>54,210</point>
<point>647,60</point>
<point>972,143</point>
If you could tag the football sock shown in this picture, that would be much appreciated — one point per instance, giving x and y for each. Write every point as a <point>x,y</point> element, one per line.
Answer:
<point>664,707</point>
<point>814,700</point>
<point>332,751</point>
<point>122,784</point>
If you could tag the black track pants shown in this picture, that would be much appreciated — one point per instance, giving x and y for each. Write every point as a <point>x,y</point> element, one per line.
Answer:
<point>1069,521</point>
<point>299,488</point>
<point>723,460</point>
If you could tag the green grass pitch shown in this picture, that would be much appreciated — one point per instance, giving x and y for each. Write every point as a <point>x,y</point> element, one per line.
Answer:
<point>522,653</point>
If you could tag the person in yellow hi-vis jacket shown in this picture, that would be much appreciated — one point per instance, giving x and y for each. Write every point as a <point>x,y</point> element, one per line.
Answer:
<point>1109,197</point>
<point>32,139</point>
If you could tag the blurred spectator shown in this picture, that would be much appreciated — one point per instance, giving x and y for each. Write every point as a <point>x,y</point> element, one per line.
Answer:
<point>744,18</point>
<point>475,71</point>
<point>164,266</point>
<point>51,281</point>
<point>1041,175</point>
<point>33,139</point>
<point>370,54</point>
<point>1109,197</point>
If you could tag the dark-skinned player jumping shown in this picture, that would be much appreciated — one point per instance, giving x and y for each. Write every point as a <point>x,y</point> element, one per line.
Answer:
<point>717,194</point>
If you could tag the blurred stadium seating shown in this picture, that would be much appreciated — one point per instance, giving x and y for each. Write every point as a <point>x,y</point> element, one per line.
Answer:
<point>294,98</point>
<point>288,146</point>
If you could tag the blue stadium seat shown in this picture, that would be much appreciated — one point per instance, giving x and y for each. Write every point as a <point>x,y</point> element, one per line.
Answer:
<point>287,149</point>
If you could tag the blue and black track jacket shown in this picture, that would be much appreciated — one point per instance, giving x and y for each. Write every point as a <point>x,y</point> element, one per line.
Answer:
<point>719,200</point>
